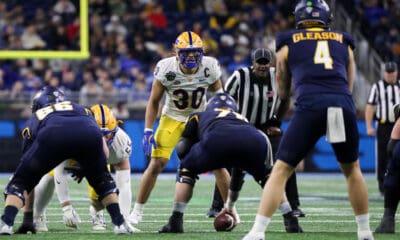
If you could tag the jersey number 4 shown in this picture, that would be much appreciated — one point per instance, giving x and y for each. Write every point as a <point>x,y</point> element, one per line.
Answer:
<point>322,55</point>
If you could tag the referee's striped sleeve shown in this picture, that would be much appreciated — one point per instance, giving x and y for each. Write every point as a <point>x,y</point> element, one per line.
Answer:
<point>232,85</point>
<point>372,98</point>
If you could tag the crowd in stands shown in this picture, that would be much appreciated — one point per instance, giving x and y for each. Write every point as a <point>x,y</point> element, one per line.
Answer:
<point>128,37</point>
<point>379,21</point>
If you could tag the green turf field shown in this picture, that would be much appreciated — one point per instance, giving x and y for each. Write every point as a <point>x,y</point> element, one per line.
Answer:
<point>323,199</point>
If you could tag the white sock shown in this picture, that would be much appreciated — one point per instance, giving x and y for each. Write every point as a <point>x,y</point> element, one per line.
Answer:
<point>179,207</point>
<point>123,181</point>
<point>363,222</point>
<point>61,182</point>
<point>285,208</point>
<point>43,193</point>
<point>138,207</point>
<point>260,224</point>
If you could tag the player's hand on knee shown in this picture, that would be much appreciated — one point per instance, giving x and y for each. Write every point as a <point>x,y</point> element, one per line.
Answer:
<point>148,141</point>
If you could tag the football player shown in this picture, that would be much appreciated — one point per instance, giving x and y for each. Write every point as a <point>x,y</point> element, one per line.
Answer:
<point>185,78</point>
<point>120,148</point>
<point>210,141</point>
<point>392,179</point>
<point>48,141</point>
<point>320,63</point>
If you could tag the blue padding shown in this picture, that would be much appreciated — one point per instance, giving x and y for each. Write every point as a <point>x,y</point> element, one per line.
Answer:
<point>134,128</point>
<point>7,129</point>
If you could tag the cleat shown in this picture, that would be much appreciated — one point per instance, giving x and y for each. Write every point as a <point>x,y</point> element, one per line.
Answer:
<point>70,217</point>
<point>291,223</point>
<point>98,219</point>
<point>135,217</point>
<point>41,225</point>
<point>297,212</point>
<point>213,212</point>
<point>174,225</point>
<point>254,236</point>
<point>5,229</point>
<point>365,235</point>
<point>26,227</point>
<point>125,228</point>
<point>386,225</point>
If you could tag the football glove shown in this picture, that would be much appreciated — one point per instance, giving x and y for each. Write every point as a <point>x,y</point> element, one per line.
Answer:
<point>70,217</point>
<point>76,172</point>
<point>148,141</point>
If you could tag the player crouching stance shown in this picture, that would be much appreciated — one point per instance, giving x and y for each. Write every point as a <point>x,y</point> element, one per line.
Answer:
<point>48,141</point>
<point>219,138</point>
<point>392,179</point>
<point>120,148</point>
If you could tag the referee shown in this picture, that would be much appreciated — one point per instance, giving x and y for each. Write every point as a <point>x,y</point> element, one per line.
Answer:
<point>383,95</point>
<point>255,90</point>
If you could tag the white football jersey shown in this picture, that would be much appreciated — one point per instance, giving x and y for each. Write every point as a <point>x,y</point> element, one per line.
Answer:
<point>186,93</point>
<point>120,148</point>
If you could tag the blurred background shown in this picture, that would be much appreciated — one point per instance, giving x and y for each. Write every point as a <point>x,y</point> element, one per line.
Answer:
<point>128,37</point>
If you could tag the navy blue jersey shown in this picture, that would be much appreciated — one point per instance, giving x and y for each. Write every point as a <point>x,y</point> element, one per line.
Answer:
<point>58,132</point>
<point>225,139</point>
<point>49,116</point>
<point>317,60</point>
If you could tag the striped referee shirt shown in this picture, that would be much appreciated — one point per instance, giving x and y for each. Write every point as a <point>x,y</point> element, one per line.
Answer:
<point>256,98</point>
<point>384,96</point>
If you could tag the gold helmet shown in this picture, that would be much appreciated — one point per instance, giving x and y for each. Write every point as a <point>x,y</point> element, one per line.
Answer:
<point>106,120</point>
<point>189,42</point>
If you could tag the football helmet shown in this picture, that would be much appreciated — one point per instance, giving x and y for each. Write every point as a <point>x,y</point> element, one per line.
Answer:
<point>186,43</point>
<point>222,100</point>
<point>312,13</point>
<point>106,121</point>
<point>46,96</point>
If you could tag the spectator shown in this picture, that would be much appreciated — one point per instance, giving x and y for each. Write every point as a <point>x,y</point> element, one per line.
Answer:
<point>115,26</point>
<point>30,39</point>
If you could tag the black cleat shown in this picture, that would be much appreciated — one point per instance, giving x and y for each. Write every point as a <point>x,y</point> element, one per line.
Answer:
<point>25,228</point>
<point>174,225</point>
<point>297,212</point>
<point>213,212</point>
<point>291,223</point>
<point>386,226</point>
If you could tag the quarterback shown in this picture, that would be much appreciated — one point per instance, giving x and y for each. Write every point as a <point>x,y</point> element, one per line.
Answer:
<point>185,78</point>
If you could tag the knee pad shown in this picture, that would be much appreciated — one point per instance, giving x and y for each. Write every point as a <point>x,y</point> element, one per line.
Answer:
<point>183,147</point>
<point>264,179</point>
<point>391,181</point>
<point>16,189</point>
<point>185,176</point>
<point>105,186</point>
<point>237,179</point>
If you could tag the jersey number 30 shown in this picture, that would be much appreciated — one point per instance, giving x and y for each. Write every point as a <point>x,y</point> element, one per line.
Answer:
<point>322,55</point>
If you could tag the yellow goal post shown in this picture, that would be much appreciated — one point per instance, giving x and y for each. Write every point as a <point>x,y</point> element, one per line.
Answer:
<point>82,53</point>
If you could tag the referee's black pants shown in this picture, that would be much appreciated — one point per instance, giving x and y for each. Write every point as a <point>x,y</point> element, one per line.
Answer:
<point>291,191</point>
<point>383,133</point>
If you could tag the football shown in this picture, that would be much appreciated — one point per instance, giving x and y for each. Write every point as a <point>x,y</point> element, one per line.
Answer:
<point>224,222</point>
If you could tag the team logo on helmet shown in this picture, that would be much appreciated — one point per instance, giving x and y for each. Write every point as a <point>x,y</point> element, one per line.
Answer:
<point>189,49</point>
<point>106,121</point>
<point>222,100</point>
<point>312,13</point>
<point>46,96</point>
